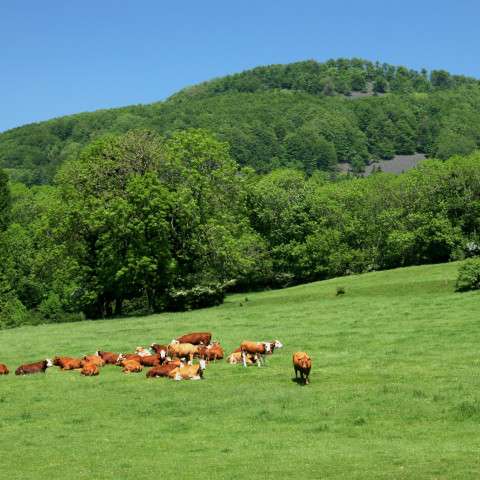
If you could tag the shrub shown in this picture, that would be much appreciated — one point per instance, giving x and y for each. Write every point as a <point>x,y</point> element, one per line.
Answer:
<point>468,275</point>
<point>201,296</point>
<point>340,291</point>
<point>13,312</point>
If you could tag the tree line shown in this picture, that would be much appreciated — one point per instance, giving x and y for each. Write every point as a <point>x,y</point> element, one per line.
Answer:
<point>305,116</point>
<point>142,222</point>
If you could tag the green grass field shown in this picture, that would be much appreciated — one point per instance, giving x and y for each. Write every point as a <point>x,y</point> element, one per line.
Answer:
<point>394,393</point>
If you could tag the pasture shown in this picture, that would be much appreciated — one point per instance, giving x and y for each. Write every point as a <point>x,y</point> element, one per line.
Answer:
<point>394,393</point>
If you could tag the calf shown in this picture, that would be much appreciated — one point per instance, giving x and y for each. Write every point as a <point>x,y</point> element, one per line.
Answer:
<point>131,366</point>
<point>89,370</point>
<point>196,338</point>
<point>4,369</point>
<point>163,370</point>
<point>37,367</point>
<point>95,359</point>
<point>109,358</point>
<point>67,363</point>
<point>188,372</point>
<point>302,363</point>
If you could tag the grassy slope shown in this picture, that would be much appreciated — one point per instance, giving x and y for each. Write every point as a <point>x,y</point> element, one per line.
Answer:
<point>394,390</point>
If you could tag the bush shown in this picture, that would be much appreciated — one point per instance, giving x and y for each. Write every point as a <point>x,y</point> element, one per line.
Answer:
<point>196,297</point>
<point>13,312</point>
<point>468,275</point>
<point>340,291</point>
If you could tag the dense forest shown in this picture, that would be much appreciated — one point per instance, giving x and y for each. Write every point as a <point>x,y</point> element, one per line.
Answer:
<point>231,185</point>
<point>306,115</point>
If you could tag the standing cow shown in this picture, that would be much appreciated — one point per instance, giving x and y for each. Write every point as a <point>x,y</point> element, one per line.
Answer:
<point>302,363</point>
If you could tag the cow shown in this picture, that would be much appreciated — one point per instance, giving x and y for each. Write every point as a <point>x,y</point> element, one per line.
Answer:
<point>4,369</point>
<point>95,359</point>
<point>150,360</point>
<point>89,370</point>
<point>196,338</point>
<point>302,363</point>
<point>143,352</point>
<point>131,366</point>
<point>188,372</point>
<point>258,349</point>
<point>128,356</point>
<point>37,367</point>
<point>67,363</point>
<point>211,352</point>
<point>164,370</point>
<point>236,358</point>
<point>109,358</point>
<point>160,350</point>
<point>273,345</point>
<point>183,350</point>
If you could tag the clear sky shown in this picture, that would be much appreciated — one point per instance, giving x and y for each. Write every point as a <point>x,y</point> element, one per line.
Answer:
<point>60,56</point>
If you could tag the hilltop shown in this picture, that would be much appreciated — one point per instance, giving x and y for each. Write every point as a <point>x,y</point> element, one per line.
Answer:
<point>393,393</point>
<point>306,115</point>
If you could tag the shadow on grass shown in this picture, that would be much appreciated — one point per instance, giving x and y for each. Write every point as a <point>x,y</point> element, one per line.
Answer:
<point>299,382</point>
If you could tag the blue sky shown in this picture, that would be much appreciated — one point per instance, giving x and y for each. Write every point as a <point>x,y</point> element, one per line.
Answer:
<point>60,57</point>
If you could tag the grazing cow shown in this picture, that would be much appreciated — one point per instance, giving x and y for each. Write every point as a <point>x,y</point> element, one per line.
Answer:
<point>95,359</point>
<point>188,372</point>
<point>160,350</point>
<point>183,350</point>
<point>150,360</point>
<point>164,370</point>
<point>4,369</point>
<point>236,358</point>
<point>259,349</point>
<point>211,352</point>
<point>302,363</point>
<point>89,370</point>
<point>109,358</point>
<point>37,367</point>
<point>131,366</point>
<point>128,356</point>
<point>67,363</point>
<point>196,338</point>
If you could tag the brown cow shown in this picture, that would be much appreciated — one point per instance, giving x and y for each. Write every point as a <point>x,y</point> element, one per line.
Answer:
<point>236,358</point>
<point>150,360</point>
<point>67,363</point>
<point>196,338</point>
<point>95,359</point>
<point>131,366</point>
<point>128,356</point>
<point>258,349</point>
<point>4,369</point>
<point>188,372</point>
<point>160,350</point>
<point>211,352</point>
<point>164,370</point>
<point>90,369</point>
<point>302,363</point>
<point>110,358</point>
<point>37,367</point>
<point>183,350</point>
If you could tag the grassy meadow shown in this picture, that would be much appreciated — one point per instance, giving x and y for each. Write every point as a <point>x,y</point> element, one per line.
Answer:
<point>394,393</point>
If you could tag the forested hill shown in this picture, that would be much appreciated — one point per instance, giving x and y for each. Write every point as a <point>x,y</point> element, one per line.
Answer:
<point>307,115</point>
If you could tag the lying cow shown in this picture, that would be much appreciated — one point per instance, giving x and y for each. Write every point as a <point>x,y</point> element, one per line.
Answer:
<point>160,350</point>
<point>188,372</point>
<point>143,352</point>
<point>164,370</point>
<point>258,349</point>
<point>235,358</point>
<point>67,363</point>
<point>110,358</point>
<point>183,351</point>
<point>128,356</point>
<point>90,370</point>
<point>4,369</point>
<point>95,359</point>
<point>150,360</point>
<point>302,363</point>
<point>37,367</point>
<point>196,338</point>
<point>131,366</point>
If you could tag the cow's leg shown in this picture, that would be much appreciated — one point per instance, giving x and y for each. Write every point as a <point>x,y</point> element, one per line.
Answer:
<point>296,371</point>
<point>258,359</point>
<point>244,359</point>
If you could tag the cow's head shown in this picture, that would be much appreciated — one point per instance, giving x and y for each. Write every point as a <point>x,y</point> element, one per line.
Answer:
<point>277,344</point>
<point>174,342</point>
<point>48,363</point>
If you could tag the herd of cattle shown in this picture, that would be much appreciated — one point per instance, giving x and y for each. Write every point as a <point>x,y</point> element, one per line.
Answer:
<point>174,360</point>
